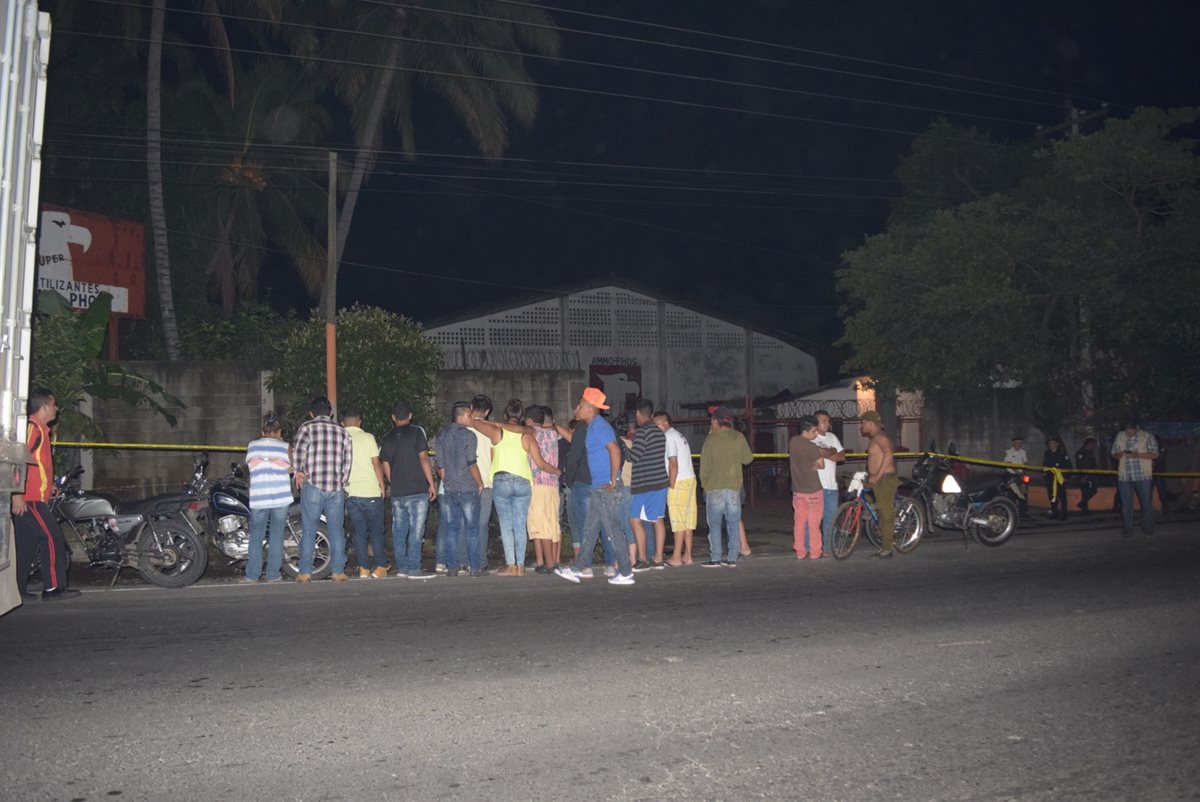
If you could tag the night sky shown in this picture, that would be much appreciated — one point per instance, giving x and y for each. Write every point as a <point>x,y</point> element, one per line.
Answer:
<point>755,210</point>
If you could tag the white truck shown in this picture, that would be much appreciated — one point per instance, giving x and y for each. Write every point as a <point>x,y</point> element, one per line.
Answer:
<point>26,51</point>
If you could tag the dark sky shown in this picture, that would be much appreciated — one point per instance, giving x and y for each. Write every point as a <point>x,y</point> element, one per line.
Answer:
<point>760,245</point>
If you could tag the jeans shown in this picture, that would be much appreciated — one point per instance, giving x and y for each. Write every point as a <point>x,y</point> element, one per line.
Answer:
<point>511,495</point>
<point>723,505</point>
<point>577,514</point>
<point>332,503</point>
<point>485,518</point>
<point>366,516</point>
<point>259,518</point>
<point>408,530</point>
<point>445,549</point>
<point>831,499</point>
<point>606,511</point>
<point>460,511</point>
<point>1143,488</point>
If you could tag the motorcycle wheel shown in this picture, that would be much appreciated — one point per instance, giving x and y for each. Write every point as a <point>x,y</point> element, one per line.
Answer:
<point>1001,515</point>
<point>291,550</point>
<point>846,524</point>
<point>175,559</point>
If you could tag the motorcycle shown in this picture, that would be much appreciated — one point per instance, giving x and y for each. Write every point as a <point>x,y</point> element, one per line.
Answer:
<point>150,535</point>
<point>226,519</point>
<point>978,504</point>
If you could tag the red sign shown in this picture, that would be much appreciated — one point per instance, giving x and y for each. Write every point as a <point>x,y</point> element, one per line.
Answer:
<point>621,383</point>
<point>81,255</point>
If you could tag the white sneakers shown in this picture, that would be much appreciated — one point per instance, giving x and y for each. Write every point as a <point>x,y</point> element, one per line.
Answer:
<point>620,579</point>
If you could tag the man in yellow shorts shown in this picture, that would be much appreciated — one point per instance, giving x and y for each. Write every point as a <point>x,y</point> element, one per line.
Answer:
<point>681,496</point>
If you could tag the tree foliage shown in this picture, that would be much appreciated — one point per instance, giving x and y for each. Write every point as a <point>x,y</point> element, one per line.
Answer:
<point>66,359</point>
<point>382,357</point>
<point>1080,279</point>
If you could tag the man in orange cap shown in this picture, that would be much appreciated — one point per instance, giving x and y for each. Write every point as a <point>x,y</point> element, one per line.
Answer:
<point>605,508</point>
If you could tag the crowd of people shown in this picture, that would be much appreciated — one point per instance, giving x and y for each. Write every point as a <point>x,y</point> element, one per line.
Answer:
<point>618,482</point>
<point>1134,452</point>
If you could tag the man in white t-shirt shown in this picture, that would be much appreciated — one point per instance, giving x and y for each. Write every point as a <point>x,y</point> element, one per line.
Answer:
<point>1017,456</point>
<point>681,492</point>
<point>832,453</point>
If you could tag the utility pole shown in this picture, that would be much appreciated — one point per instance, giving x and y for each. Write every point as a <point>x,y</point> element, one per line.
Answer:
<point>331,268</point>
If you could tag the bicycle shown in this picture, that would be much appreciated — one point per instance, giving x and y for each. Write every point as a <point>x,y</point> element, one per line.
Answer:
<point>850,520</point>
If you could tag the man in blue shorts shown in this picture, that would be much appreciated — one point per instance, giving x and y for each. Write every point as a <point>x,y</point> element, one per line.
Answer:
<point>649,485</point>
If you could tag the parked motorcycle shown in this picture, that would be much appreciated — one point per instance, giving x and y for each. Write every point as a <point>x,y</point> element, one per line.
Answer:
<point>151,535</point>
<point>226,519</point>
<point>978,504</point>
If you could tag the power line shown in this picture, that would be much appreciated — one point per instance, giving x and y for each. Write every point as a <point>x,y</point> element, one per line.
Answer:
<point>711,52</point>
<point>792,48</point>
<point>444,276</point>
<point>322,149</point>
<point>603,65</point>
<point>557,87</point>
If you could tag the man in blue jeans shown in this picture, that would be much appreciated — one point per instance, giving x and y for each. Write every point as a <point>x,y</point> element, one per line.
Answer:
<point>462,485</point>
<point>606,511</point>
<point>722,457</point>
<point>833,453</point>
<point>322,452</point>
<point>404,453</point>
<point>364,499</point>
<point>1135,450</point>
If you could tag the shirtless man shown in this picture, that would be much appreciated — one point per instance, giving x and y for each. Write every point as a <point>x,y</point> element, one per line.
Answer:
<point>881,474</point>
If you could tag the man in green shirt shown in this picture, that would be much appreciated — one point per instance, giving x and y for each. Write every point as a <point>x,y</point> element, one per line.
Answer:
<point>724,454</point>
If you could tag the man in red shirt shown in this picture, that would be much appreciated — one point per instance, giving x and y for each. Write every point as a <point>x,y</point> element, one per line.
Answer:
<point>35,530</point>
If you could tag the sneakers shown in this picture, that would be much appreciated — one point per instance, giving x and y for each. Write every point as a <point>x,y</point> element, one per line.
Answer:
<point>883,555</point>
<point>659,566</point>
<point>621,579</point>
<point>641,566</point>
<point>609,571</point>
<point>304,579</point>
<point>478,572</point>
<point>421,575</point>
<point>380,572</point>
<point>568,573</point>
<point>338,577</point>
<point>587,573</point>
<point>541,569</point>
<point>440,568</point>
<point>59,593</point>
<point>728,564</point>
<point>364,573</point>
<point>711,564</point>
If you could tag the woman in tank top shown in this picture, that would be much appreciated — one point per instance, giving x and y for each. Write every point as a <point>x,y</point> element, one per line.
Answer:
<point>513,447</point>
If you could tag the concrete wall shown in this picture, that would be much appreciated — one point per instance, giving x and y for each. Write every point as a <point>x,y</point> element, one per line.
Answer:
<point>983,430</point>
<point>224,407</point>
<point>557,389</point>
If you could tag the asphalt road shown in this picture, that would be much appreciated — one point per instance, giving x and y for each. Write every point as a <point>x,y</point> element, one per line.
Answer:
<point>1060,666</point>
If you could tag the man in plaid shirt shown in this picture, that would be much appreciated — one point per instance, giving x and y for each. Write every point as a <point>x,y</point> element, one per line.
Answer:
<point>1135,449</point>
<point>321,455</point>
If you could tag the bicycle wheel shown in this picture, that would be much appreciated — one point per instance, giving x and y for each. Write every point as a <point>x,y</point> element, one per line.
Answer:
<point>910,525</point>
<point>846,523</point>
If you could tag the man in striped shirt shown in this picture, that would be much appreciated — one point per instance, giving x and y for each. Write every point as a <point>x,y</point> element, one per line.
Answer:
<point>35,529</point>
<point>321,453</point>
<point>649,484</point>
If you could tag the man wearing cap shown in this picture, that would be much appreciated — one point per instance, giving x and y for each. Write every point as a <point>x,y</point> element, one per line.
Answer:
<point>724,453</point>
<point>605,510</point>
<point>404,453</point>
<point>881,474</point>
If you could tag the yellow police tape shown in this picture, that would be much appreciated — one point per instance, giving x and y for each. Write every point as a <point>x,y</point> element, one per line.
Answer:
<point>1058,474</point>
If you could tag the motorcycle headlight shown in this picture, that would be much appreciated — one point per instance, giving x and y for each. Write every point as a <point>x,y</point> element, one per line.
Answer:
<point>950,484</point>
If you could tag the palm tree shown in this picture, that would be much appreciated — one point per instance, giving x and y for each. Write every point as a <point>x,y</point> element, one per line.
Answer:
<point>469,52</point>
<point>251,190</point>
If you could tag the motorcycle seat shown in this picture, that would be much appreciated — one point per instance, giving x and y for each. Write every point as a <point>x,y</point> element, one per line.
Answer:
<point>161,504</point>
<point>981,481</point>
